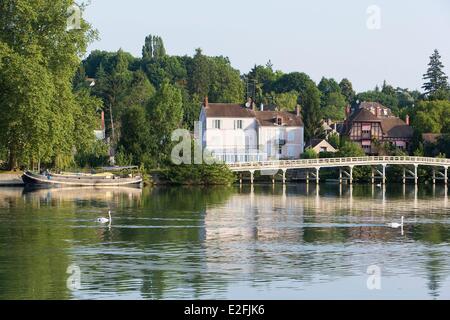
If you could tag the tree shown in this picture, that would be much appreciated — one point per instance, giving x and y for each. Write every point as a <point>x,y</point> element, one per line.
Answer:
<point>285,101</point>
<point>309,101</point>
<point>38,61</point>
<point>443,145</point>
<point>262,77</point>
<point>332,102</point>
<point>377,95</point>
<point>139,92</point>
<point>347,90</point>
<point>225,82</point>
<point>432,117</point>
<point>165,114</point>
<point>295,81</point>
<point>334,140</point>
<point>327,86</point>
<point>435,78</point>
<point>334,106</point>
<point>135,139</point>
<point>153,48</point>
<point>350,149</point>
<point>199,74</point>
<point>112,85</point>
<point>214,77</point>
<point>310,154</point>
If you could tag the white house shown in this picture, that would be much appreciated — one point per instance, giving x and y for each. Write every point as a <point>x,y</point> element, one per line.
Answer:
<point>240,133</point>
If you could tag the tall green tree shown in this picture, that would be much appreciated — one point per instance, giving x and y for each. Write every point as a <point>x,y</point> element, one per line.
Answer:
<point>432,117</point>
<point>327,86</point>
<point>332,102</point>
<point>165,114</point>
<point>38,60</point>
<point>225,82</point>
<point>309,101</point>
<point>334,106</point>
<point>435,78</point>
<point>135,139</point>
<point>112,85</point>
<point>347,90</point>
<point>259,81</point>
<point>199,74</point>
<point>153,47</point>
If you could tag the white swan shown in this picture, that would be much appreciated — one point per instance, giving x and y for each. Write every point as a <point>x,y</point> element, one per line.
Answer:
<point>396,225</point>
<point>379,185</point>
<point>105,220</point>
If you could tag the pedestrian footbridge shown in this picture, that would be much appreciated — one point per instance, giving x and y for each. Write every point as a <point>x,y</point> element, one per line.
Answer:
<point>378,164</point>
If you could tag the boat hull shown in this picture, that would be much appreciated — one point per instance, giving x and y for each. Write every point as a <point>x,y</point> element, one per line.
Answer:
<point>32,179</point>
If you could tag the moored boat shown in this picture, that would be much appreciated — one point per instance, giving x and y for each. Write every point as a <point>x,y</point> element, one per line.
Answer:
<point>105,179</point>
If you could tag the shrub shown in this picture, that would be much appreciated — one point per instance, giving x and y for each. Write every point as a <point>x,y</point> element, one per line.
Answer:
<point>200,174</point>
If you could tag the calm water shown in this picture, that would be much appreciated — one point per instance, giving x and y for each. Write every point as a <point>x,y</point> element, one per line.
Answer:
<point>213,243</point>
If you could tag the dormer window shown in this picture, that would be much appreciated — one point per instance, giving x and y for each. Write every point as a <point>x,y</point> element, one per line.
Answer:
<point>216,124</point>
<point>279,121</point>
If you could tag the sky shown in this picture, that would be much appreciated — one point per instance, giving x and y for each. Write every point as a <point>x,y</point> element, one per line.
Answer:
<point>364,41</point>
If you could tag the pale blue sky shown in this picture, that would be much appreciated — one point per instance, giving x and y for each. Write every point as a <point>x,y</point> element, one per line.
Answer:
<point>320,37</point>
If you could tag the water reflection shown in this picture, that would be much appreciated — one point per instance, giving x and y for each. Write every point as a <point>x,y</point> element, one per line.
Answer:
<point>246,242</point>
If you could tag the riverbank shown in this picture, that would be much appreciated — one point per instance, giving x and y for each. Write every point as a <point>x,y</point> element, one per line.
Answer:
<point>11,179</point>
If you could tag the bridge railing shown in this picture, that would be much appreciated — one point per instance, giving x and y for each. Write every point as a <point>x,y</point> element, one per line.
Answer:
<point>343,161</point>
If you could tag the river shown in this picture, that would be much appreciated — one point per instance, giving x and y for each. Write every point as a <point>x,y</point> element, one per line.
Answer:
<point>265,242</point>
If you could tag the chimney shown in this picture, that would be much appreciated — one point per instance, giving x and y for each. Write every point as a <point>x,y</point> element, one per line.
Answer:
<point>103,120</point>
<point>377,112</point>
<point>205,101</point>
<point>347,111</point>
<point>252,104</point>
<point>407,119</point>
<point>297,110</point>
<point>262,107</point>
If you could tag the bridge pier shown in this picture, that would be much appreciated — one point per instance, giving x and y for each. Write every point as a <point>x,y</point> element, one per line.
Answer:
<point>317,175</point>
<point>416,178</point>
<point>438,175</point>
<point>349,174</point>
<point>284,175</point>
<point>413,174</point>
<point>446,175</point>
<point>252,176</point>
<point>377,174</point>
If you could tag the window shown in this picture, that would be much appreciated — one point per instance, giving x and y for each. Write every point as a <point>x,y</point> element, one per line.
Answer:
<point>291,136</point>
<point>237,124</point>
<point>216,124</point>
<point>366,128</point>
<point>323,149</point>
<point>279,121</point>
<point>280,149</point>
<point>291,152</point>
